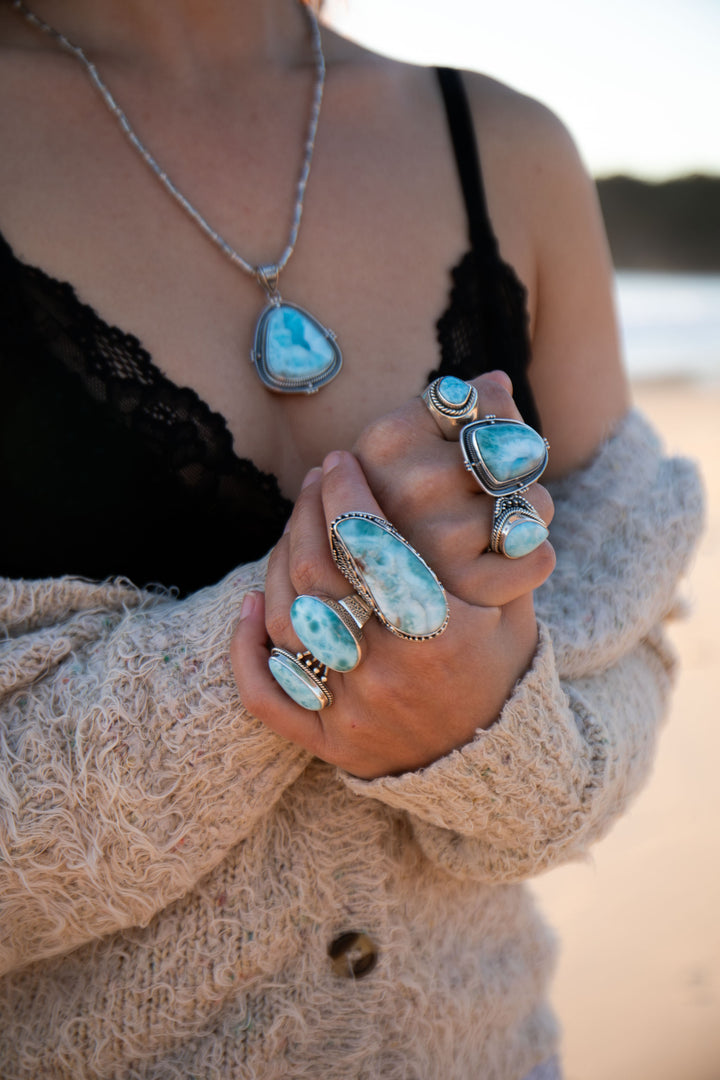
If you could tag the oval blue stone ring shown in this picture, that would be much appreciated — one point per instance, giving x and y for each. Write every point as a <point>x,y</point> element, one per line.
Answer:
<point>504,456</point>
<point>331,629</point>
<point>302,677</point>
<point>390,576</point>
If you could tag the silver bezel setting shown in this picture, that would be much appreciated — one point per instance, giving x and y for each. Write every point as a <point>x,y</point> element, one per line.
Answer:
<point>348,567</point>
<point>292,386</point>
<point>475,464</point>
<point>507,513</point>
<point>309,668</point>
<point>448,417</point>
<point>353,613</point>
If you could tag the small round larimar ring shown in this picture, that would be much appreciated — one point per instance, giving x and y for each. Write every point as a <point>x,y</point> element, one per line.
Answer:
<point>390,576</point>
<point>302,677</point>
<point>504,456</point>
<point>517,527</point>
<point>452,403</point>
<point>331,629</point>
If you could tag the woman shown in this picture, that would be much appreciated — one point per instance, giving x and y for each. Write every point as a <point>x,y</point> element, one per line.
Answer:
<point>200,877</point>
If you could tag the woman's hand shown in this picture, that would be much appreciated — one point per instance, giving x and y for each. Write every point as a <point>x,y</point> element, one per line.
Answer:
<point>408,703</point>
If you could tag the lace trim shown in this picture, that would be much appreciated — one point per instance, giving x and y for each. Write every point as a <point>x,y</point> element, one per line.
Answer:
<point>115,369</point>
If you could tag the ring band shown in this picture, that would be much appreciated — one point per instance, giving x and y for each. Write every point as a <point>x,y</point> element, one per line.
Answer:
<point>452,403</point>
<point>505,456</point>
<point>517,527</point>
<point>302,677</point>
<point>331,629</point>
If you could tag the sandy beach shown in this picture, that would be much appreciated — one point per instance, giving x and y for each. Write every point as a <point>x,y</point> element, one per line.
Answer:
<point>638,985</point>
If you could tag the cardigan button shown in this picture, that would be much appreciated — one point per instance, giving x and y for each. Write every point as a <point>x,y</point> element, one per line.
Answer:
<point>353,955</point>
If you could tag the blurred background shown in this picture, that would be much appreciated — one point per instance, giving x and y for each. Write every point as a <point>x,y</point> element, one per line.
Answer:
<point>638,84</point>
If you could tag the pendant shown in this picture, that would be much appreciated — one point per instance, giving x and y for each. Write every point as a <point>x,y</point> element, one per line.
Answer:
<point>292,352</point>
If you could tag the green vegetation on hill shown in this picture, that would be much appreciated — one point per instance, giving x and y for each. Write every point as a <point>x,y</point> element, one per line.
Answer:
<point>673,225</point>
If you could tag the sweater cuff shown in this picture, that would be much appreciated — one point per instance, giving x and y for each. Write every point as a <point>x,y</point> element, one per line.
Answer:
<point>530,767</point>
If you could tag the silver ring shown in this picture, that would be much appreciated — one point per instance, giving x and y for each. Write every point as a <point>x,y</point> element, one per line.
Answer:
<point>331,629</point>
<point>390,576</point>
<point>517,527</point>
<point>505,456</point>
<point>452,403</point>
<point>302,677</point>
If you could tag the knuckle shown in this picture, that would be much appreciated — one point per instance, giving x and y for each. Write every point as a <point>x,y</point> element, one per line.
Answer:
<point>496,399</point>
<point>384,440</point>
<point>306,571</point>
<point>278,626</point>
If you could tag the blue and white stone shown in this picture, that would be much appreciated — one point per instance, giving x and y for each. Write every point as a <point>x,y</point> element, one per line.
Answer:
<point>405,592</point>
<point>522,537</point>
<point>293,350</point>
<point>507,451</point>
<point>296,681</point>
<point>453,391</point>
<point>323,632</point>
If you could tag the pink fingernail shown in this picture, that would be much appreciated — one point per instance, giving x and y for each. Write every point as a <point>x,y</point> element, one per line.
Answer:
<point>310,477</point>
<point>331,461</point>
<point>249,605</point>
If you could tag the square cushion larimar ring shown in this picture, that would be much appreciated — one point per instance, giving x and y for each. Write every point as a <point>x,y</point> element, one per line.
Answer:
<point>452,403</point>
<point>390,576</point>
<point>504,456</point>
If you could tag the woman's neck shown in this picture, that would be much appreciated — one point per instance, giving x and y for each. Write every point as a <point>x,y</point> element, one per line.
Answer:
<point>185,34</point>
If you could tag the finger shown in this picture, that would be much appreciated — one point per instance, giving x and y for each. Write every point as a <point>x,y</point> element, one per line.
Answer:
<point>345,488</point>
<point>500,377</point>
<point>310,565</point>
<point>260,694</point>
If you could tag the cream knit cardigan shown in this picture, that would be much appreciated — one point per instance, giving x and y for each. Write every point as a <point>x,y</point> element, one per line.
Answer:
<point>172,873</point>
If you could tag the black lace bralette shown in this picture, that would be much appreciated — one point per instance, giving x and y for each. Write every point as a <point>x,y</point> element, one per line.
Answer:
<point>109,468</point>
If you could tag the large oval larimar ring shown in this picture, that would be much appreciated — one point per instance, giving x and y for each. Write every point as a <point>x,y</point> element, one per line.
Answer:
<point>302,677</point>
<point>504,456</point>
<point>331,629</point>
<point>452,403</point>
<point>390,576</point>
<point>517,527</point>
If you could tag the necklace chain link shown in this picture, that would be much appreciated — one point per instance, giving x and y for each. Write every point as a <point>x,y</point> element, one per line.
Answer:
<point>265,274</point>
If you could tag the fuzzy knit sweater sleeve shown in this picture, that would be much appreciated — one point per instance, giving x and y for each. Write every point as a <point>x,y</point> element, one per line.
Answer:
<point>575,740</point>
<point>128,767</point>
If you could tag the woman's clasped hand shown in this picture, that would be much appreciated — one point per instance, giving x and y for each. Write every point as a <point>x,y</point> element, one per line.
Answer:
<point>407,703</point>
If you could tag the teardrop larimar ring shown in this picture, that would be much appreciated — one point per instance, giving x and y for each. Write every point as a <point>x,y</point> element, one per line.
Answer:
<point>390,576</point>
<point>452,403</point>
<point>505,456</point>
<point>517,527</point>
<point>332,629</point>
<point>302,677</point>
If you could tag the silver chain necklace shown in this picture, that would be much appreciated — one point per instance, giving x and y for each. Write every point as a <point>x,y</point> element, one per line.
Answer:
<point>292,351</point>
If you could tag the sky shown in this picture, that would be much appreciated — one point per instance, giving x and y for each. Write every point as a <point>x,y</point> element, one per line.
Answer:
<point>636,81</point>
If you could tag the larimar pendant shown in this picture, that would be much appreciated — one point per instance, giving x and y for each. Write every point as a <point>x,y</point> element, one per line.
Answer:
<point>293,353</point>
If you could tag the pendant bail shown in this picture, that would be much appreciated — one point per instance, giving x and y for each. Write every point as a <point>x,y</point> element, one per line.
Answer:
<point>267,275</point>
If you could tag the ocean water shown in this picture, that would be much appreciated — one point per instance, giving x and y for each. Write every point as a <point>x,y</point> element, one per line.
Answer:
<point>670,324</point>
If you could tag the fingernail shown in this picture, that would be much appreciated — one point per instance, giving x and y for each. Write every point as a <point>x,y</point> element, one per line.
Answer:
<point>331,461</point>
<point>249,605</point>
<point>310,478</point>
